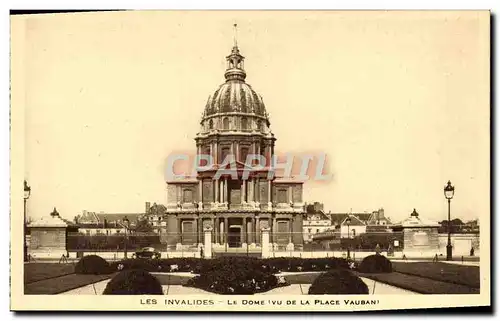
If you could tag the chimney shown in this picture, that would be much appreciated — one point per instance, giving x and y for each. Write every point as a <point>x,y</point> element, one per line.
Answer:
<point>148,206</point>
<point>381,213</point>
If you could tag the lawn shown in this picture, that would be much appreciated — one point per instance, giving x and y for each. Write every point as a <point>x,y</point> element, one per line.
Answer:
<point>63,283</point>
<point>451,273</point>
<point>40,271</point>
<point>421,277</point>
<point>54,278</point>
<point>420,284</point>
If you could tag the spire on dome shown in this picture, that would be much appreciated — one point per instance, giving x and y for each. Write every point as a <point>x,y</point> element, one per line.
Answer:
<point>235,66</point>
<point>235,35</point>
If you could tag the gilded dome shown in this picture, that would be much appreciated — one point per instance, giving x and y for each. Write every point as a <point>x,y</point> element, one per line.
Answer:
<point>235,106</point>
<point>235,96</point>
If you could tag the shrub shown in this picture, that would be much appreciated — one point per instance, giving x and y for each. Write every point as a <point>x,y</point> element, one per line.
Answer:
<point>133,282</point>
<point>338,282</point>
<point>161,265</point>
<point>196,265</point>
<point>92,264</point>
<point>375,264</point>
<point>241,280</point>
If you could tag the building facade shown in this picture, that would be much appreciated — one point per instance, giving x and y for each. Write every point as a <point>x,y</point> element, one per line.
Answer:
<point>315,222</point>
<point>231,194</point>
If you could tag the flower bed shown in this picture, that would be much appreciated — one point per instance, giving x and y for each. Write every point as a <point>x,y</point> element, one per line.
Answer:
<point>228,279</point>
<point>233,275</point>
<point>196,265</point>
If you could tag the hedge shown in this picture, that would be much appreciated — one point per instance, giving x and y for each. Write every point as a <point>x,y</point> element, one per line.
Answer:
<point>111,242</point>
<point>93,264</point>
<point>133,282</point>
<point>196,265</point>
<point>338,282</point>
<point>375,264</point>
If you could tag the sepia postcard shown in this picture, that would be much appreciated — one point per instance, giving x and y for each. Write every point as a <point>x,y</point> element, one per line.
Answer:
<point>250,160</point>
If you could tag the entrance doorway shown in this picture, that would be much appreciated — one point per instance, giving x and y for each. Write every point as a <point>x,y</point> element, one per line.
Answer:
<point>234,236</point>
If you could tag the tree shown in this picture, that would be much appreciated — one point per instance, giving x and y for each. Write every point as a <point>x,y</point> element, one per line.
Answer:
<point>456,226</point>
<point>143,226</point>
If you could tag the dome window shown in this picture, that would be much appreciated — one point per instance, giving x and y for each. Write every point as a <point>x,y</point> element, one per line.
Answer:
<point>259,125</point>
<point>210,124</point>
<point>244,123</point>
<point>225,123</point>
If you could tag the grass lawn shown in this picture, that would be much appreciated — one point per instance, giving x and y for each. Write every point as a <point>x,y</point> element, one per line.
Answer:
<point>420,284</point>
<point>63,283</point>
<point>40,271</point>
<point>421,277</point>
<point>451,273</point>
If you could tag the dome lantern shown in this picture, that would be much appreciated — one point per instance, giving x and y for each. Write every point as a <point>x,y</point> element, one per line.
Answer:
<point>235,63</point>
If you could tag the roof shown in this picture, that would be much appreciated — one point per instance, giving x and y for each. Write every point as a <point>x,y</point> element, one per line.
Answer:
<point>100,225</point>
<point>322,216</point>
<point>355,221</point>
<point>93,218</point>
<point>51,221</point>
<point>118,217</point>
<point>417,221</point>
<point>338,218</point>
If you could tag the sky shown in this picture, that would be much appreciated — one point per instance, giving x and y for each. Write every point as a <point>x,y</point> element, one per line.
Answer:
<point>398,101</point>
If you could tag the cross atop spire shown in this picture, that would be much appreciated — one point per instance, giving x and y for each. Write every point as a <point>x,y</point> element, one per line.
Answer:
<point>235,36</point>
<point>235,66</point>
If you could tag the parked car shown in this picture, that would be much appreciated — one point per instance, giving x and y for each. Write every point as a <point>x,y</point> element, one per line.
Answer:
<point>147,253</point>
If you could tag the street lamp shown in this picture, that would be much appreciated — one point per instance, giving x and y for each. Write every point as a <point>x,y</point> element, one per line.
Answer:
<point>126,223</point>
<point>449,191</point>
<point>27,193</point>
<point>348,222</point>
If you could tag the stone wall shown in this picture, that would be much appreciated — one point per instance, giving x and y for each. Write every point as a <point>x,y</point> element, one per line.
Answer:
<point>421,239</point>
<point>48,238</point>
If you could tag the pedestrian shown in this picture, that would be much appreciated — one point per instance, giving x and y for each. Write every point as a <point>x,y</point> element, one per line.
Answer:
<point>202,254</point>
<point>471,251</point>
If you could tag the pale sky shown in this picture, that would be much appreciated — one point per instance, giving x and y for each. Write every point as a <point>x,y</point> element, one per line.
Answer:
<point>398,101</point>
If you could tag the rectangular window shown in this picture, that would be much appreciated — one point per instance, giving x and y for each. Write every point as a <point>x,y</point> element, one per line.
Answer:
<point>282,196</point>
<point>187,196</point>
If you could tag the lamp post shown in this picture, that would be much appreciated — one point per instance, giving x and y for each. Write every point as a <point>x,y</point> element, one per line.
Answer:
<point>27,193</point>
<point>449,191</point>
<point>348,222</point>
<point>125,224</point>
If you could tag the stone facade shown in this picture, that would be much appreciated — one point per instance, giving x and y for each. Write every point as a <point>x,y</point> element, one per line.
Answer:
<point>420,235</point>
<point>238,204</point>
<point>48,238</point>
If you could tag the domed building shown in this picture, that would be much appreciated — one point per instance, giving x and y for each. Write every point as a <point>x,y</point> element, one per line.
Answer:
<point>234,125</point>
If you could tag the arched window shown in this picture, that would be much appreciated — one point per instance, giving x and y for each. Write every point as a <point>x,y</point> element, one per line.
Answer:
<point>244,154</point>
<point>210,124</point>
<point>259,125</point>
<point>225,123</point>
<point>224,154</point>
<point>244,123</point>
